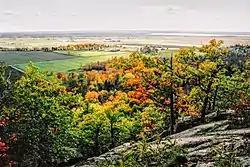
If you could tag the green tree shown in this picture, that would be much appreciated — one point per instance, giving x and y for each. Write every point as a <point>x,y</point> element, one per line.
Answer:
<point>203,69</point>
<point>45,127</point>
<point>95,133</point>
<point>6,87</point>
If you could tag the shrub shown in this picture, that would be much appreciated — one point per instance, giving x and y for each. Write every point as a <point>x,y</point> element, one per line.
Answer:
<point>160,154</point>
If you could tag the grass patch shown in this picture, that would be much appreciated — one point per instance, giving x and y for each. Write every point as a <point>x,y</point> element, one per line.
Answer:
<point>91,53</point>
<point>74,63</point>
<point>13,57</point>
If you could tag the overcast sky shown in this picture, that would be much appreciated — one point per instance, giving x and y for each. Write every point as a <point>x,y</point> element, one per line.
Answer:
<point>191,15</point>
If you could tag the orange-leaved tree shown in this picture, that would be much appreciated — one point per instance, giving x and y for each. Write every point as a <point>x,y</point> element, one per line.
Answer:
<point>203,68</point>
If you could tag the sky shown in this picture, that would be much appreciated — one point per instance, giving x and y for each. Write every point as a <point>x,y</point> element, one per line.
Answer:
<point>179,15</point>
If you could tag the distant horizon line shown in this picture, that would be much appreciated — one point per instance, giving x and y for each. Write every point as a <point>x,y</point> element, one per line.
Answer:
<point>128,30</point>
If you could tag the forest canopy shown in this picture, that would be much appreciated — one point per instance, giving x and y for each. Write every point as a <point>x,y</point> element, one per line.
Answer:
<point>50,118</point>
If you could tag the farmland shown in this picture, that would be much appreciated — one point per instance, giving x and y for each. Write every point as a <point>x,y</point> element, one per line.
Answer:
<point>90,53</point>
<point>130,41</point>
<point>12,57</point>
<point>57,62</point>
<point>69,60</point>
<point>62,61</point>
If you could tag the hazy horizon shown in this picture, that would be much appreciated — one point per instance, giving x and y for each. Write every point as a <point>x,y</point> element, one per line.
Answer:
<point>125,15</point>
<point>127,31</point>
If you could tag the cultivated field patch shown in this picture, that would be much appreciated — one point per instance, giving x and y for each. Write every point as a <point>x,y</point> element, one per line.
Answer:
<point>92,53</point>
<point>13,57</point>
<point>75,62</point>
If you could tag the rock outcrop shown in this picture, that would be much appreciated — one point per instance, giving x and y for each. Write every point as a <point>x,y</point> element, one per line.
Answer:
<point>199,141</point>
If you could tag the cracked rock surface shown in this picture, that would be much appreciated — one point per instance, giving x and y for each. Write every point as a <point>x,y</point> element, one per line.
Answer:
<point>198,140</point>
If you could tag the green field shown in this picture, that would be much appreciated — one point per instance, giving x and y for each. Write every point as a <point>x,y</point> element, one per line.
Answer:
<point>12,57</point>
<point>90,53</point>
<point>67,63</point>
<point>62,61</point>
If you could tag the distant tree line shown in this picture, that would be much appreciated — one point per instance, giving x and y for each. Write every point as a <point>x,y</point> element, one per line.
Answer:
<point>76,47</point>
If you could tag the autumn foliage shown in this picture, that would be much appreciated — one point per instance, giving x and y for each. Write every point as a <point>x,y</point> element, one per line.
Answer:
<point>123,99</point>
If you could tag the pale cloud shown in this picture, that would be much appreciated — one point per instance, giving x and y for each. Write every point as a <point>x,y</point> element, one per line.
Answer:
<point>190,11</point>
<point>207,15</point>
<point>38,14</point>
<point>73,14</point>
<point>171,9</point>
<point>163,9</point>
<point>3,20</point>
<point>8,13</point>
